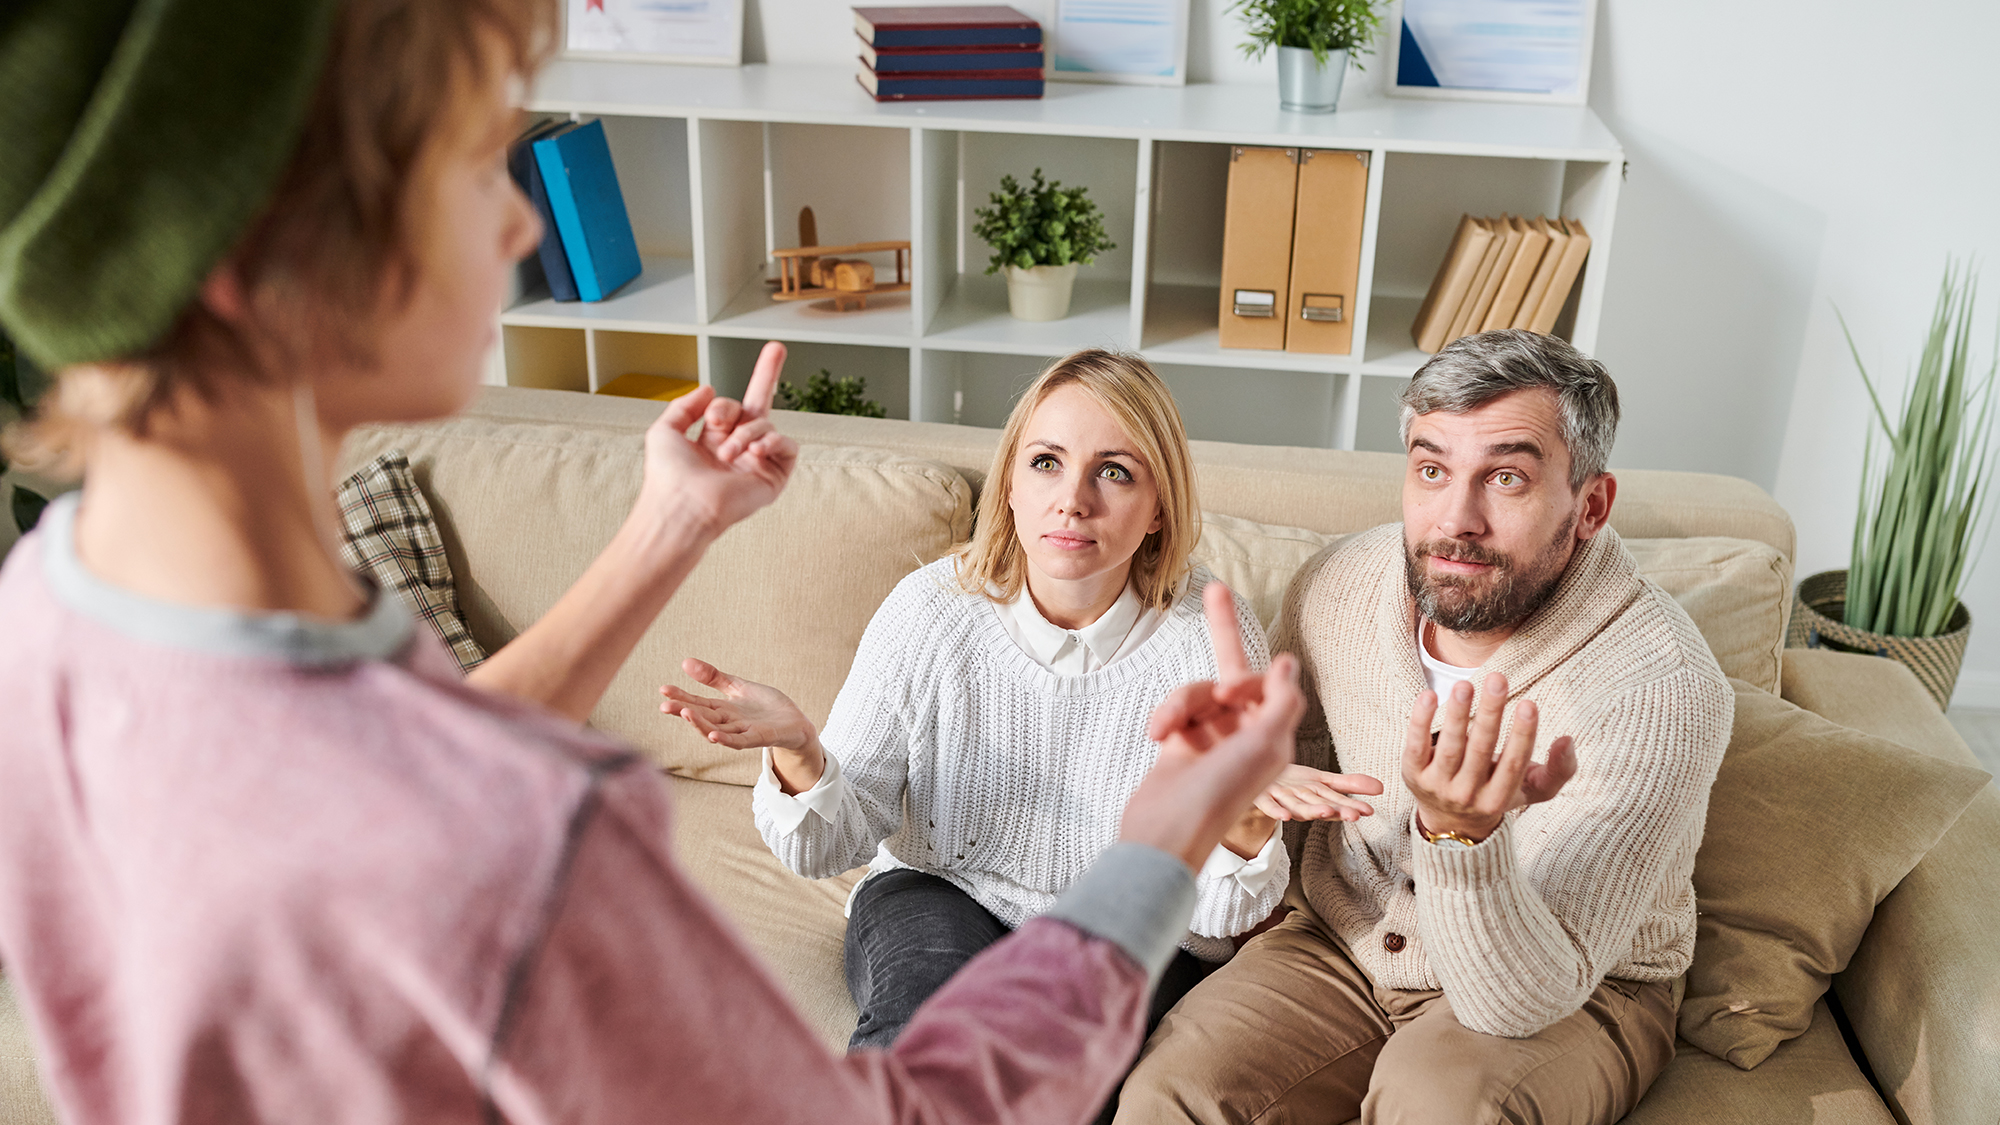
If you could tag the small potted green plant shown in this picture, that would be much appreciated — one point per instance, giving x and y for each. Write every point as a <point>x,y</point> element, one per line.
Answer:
<point>1919,522</point>
<point>1040,233</point>
<point>1315,39</point>
<point>824,394</point>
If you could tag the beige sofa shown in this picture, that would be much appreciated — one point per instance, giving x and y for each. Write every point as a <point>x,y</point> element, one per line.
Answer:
<point>529,484</point>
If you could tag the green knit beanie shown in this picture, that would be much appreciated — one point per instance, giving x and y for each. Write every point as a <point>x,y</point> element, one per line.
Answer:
<point>138,141</point>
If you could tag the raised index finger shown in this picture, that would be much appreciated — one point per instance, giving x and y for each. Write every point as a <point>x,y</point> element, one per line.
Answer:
<point>764,380</point>
<point>1219,606</point>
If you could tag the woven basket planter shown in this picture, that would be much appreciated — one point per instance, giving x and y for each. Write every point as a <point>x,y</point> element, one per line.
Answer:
<point>1816,623</point>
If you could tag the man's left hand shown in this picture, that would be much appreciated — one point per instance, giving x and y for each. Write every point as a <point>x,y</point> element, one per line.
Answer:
<point>1460,784</point>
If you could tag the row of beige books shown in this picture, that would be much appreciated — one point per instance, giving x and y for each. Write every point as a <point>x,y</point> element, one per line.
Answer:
<point>1508,272</point>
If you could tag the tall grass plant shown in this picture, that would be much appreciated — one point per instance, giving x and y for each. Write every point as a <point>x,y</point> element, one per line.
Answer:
<point>1924,488</point>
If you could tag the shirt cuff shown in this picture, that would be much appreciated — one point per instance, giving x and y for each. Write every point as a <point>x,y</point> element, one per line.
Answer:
<point>1137,897</point>
<point>1252,874</point>
<point>789,810</point>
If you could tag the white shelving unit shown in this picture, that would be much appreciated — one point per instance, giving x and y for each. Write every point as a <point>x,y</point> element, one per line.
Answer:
<point>715,164</point>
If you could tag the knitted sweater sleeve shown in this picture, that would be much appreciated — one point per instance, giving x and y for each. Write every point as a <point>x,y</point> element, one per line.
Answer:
<point>1522,928</point>
<point>1224,907</point>
<point>867,738</point>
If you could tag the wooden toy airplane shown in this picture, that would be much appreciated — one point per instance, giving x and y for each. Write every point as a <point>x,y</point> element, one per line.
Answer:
<point>810,272</point>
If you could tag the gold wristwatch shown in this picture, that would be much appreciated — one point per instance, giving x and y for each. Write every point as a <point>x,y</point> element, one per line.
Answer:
<point>1445,839</point>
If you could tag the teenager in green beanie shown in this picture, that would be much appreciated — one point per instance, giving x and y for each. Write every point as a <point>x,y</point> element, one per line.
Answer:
<point>264,855</point>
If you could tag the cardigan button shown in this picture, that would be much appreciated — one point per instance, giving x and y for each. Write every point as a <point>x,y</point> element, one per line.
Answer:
<point>1393,942</point>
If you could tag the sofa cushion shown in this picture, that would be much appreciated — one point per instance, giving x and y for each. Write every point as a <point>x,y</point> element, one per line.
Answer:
<point>782,598</point>
<point>795,924</point>
<point>1810,1080</point>
<point>388,532</point>
<point>1738,591</point>
<point>1257,560</point>
<point>1810,826</point>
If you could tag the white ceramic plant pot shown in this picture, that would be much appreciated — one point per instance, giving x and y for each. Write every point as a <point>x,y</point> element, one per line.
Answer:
<point>1040,292</point>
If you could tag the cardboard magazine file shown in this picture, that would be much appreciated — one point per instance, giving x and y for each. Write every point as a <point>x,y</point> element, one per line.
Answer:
<point>1454,277</point>
<point>1527,259</point>
<point>1326,251</point>
<point>1257,246</point>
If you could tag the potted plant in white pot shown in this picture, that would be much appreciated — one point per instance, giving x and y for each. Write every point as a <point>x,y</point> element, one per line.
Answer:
<point>1315,39</point>
<point>1040,233</point>
<point>1920,517</point>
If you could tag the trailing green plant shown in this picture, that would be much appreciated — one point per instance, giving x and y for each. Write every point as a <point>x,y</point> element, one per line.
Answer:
<point>1042,224</point>
<point>1921,501</point>
<point>824,394</point>
<point>15,391</point>
<point>1321,26</point>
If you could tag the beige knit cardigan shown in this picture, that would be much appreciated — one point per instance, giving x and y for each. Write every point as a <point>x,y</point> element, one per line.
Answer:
<point>1594,883</point>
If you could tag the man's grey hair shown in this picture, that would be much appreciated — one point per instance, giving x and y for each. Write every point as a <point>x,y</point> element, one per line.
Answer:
<point>1474,370</point>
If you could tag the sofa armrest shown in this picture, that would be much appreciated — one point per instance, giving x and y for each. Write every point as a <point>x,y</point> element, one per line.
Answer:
<point>1923,989</point>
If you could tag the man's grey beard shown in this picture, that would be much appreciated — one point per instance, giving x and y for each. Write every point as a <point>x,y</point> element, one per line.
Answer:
<point>1512,597</point>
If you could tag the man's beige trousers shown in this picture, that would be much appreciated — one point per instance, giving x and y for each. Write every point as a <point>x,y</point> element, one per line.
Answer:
<point>1291,1031</point>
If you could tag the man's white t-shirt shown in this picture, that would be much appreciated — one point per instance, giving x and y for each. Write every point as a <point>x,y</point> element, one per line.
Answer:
<point>1439,676</point>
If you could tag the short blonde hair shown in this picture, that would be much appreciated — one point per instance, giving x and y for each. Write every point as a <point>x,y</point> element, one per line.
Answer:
<point>992,562</point>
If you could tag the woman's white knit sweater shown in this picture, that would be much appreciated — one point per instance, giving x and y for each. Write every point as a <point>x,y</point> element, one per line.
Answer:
<point>973,762</point>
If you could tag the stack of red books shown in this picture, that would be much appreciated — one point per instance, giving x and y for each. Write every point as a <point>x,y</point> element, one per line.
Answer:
<point>934,53</point>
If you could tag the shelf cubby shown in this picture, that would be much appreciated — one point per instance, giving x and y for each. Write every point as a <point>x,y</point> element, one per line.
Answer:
<point>965,307</point>
<point>549,358</point>
<point>976,388</point>
<point>647,353</point>
<point>1292,407</point>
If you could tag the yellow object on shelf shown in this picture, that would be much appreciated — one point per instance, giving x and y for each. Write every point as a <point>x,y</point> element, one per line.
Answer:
<point>637,384</point>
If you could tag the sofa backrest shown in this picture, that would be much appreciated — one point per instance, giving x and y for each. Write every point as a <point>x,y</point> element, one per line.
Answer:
<point>528,486</point>
<point>1324,490</point>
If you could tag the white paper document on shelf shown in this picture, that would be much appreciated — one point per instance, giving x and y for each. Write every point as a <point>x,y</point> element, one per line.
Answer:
<point>666,30</point>
<point>1135,41</point>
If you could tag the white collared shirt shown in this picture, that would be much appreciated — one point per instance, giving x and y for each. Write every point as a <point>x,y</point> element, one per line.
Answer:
<point>1122,629</point>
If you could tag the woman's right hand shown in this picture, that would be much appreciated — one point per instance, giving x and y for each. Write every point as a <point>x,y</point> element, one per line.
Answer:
<point>748,716</point>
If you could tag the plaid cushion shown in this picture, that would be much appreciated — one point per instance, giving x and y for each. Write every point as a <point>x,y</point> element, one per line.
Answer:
<point>387,531</point>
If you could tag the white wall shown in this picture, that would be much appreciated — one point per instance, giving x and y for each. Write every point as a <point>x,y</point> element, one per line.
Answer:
<point>1785,157</point>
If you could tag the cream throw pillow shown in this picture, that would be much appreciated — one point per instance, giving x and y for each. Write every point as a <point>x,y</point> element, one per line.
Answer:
<point>1810,826</point>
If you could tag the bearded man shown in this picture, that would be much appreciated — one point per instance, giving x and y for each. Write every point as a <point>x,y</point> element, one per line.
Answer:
<point>1502,938</point>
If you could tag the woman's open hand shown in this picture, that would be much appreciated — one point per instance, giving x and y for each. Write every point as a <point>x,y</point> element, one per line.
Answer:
<point>1304,793</point>
<point>748,715</point>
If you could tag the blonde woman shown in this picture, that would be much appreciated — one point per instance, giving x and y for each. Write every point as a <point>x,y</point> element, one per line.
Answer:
<point>994,721</point>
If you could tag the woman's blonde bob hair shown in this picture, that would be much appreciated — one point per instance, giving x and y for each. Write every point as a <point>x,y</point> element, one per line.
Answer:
<point>992,562</point>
